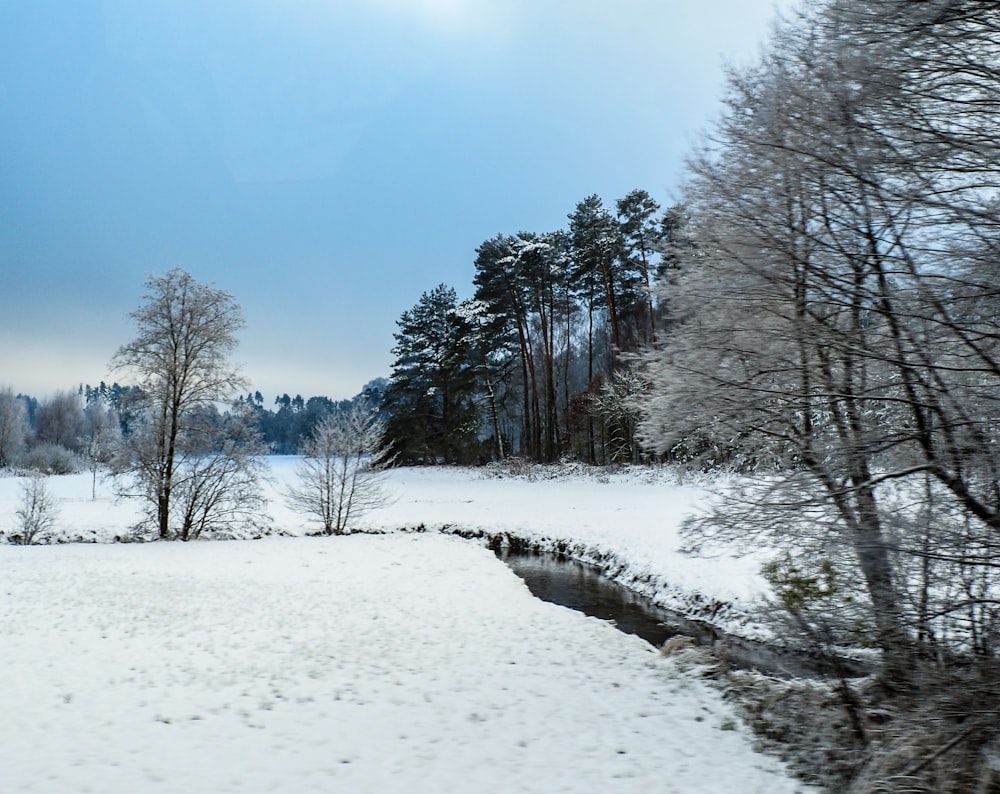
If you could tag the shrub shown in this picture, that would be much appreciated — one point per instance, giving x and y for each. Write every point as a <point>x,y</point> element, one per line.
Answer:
<point>48,458</point>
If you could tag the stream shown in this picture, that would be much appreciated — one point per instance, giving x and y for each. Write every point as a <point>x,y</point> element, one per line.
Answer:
<point>573,584</point>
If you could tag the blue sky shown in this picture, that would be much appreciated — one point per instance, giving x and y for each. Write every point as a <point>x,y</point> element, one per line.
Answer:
<point>325,161</point>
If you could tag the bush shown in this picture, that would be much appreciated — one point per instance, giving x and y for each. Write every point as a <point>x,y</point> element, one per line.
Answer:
<point>48,458</point>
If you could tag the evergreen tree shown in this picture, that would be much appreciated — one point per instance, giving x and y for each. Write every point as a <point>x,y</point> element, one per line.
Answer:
<point>501,290</point>
<point>494,363</point>
<point>430,399</point>
<point>596,251</point>
<point>640,235</point>
<point>522,282</point>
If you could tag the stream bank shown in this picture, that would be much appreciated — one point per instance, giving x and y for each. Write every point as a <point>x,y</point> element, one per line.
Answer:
<point>568,575</point>
<point>570,583</point>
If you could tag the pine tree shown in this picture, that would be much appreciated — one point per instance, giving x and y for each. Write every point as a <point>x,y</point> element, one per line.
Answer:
<point>637,213</point>
<point>596,251</point>
<point>522,281</point>
<point>433,417</point>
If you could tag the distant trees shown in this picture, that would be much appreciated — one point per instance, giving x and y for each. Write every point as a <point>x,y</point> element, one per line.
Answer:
<point>178,454</point>
<point>123,401</point>
<point>86,427</point>
<point>59,420</point>
<point>284,428</point>
<point>339,476</point>
<point>43,437</point>
<point>14,427</point>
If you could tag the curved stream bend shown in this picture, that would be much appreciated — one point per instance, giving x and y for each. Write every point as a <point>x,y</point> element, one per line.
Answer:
<point>573,584</point>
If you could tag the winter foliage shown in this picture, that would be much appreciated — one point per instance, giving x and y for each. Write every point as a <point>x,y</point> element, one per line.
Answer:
<point>833,331</point>
<point>816,325</point>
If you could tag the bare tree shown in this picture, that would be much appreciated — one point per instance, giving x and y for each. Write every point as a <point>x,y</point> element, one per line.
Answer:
<point>340,475</point>
<point>217,489</point>
<point>37,514</point>
<point>100,440</point>
<point>770,359</point>
<point>614,403</point>
<point>837,320</point>
<point>836,331</point>
<point>180,358</point>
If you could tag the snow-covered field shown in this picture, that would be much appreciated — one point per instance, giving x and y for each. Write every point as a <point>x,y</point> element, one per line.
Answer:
<point>627,522</point>
<point>370,663</point>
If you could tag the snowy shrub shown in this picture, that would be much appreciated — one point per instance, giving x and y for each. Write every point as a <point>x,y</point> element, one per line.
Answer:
<point>49,458</point>
<point>341,472</point>
<point>510,467</point>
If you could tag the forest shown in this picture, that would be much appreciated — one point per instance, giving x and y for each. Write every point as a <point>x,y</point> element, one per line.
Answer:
<point>819,317</point>
<point>539,362</point>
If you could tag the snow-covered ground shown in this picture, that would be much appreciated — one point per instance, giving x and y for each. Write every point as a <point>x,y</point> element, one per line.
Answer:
<point>397,662</point>
<point>627,522</point>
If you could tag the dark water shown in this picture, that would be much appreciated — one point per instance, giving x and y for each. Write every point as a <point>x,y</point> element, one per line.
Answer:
<point>584,588</point>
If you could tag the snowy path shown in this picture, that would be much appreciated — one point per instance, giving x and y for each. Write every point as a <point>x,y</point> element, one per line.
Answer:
<point>394,663</point>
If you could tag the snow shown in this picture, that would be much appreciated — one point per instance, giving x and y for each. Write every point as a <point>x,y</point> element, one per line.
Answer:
<point>628,522</point>
<point>375,663</point>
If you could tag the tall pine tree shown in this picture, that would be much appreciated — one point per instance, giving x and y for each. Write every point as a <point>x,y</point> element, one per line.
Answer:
<point>433,416</point>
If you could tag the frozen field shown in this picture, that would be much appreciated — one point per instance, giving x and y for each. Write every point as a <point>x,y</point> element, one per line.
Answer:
<point>368,663</point>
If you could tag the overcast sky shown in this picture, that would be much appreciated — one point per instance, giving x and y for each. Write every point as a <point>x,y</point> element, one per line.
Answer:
<point>325,161</point>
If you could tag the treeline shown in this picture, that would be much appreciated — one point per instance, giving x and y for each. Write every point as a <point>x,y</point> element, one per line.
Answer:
<point>537,363</point>
<point>58,434</point>
<point>78,428</point>
<point>293,419</point>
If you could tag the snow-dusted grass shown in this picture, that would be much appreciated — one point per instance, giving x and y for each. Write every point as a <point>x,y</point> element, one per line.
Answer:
<point>370,663</point>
